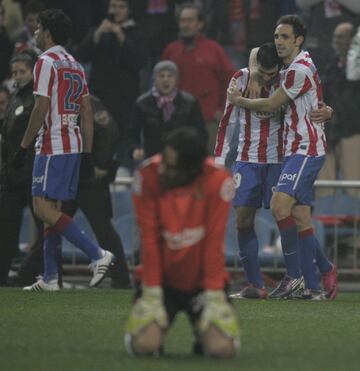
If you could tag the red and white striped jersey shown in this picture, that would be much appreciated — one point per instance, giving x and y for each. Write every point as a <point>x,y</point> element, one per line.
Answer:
<point>261,133</point>
<point>302,85</point>
<point>60,77</point>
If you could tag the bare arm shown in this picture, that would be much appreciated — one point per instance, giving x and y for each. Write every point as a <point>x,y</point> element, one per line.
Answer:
<point>253,88</point>
<point>37,119</point>
<point>270,104</point>
<point>87,124</point>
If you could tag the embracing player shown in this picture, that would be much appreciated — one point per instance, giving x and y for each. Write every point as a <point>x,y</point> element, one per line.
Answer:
<point>258,164</point>
<point>304,147</point>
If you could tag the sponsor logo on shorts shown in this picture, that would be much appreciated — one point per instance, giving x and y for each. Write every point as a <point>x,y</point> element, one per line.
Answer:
<point>285,176</point>
<point>38,179</point>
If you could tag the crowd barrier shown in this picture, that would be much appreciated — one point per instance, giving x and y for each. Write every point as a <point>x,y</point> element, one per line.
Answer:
<point>336,220</point>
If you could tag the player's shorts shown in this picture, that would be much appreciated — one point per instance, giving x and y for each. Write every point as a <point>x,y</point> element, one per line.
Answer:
<point>176,301</point>
<point>56,176</point>
<point>254,183</point>
<point>297,177</point>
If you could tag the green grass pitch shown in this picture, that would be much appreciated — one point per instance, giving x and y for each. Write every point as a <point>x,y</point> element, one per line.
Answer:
<point>83,330</point>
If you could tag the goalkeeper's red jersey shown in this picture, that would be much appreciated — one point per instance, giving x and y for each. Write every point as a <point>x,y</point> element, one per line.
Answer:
<point>183,229</point>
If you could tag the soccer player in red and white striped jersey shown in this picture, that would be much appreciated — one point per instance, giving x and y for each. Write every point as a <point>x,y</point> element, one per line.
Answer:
<point>258,164</point>
<point>305,147</point>
<point>61,96</point>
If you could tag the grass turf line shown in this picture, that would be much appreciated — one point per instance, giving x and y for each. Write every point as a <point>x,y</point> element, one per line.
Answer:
<point>83,330</point>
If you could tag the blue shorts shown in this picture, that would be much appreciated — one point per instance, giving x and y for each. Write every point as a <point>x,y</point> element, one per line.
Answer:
<point>254,183</point>
<point>297,177</point>
<point>56,176</point>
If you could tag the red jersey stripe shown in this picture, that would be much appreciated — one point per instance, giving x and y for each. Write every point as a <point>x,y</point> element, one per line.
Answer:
<point>65,139</point>
<point>290,78</point>
<point>54,56</point>
<point>51,82</point>
<point>294,122</point>
<point>222,129</point>
<point>78,138</point>
<point>245,151</point>
<point>264,135</point>
<point>305,88</point>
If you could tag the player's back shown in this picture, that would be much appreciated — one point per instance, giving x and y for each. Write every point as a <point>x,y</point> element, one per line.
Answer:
<point>61,78</point>
<point>301,83</point>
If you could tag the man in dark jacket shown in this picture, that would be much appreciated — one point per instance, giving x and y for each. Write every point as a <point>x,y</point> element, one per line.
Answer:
<point>116,52</point>
<point>15,192</point>
<point>343,132</point>
<point>161,109</point>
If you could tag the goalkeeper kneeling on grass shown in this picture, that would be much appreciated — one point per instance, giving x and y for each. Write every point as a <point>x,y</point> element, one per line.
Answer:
<point>182,202</point>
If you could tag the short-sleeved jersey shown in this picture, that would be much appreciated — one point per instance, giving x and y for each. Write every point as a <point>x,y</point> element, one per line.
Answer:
<point>261,133</point>
<point>60,77</point>
<point>301,83</point>
<point>183,229</point>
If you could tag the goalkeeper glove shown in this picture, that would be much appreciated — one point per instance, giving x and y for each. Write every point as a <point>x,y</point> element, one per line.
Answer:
<point>147,309</point>
<point>219,313</point>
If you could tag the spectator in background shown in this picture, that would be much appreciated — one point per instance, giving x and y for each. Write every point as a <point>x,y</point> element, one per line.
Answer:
<point>115,50</point>
<point>161,109</point>
<point>15,192</point>
<point>353,59</point>
<point>4,102</point>
<point>158,21</point>
<point>84,14</point>
<point>321,17</point>
<point>26,38</point>
<point>343,133</point>
<point>204,68</point>
<point>6,47</point>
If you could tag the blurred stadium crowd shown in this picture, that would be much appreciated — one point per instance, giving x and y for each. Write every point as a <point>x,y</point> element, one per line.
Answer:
<point>119,42</point>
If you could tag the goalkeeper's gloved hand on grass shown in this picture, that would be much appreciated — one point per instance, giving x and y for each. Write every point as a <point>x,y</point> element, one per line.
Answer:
<point>148,308</point>
<point>219,313</point>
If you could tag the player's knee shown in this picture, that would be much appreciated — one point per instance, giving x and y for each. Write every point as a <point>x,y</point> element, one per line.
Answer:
<point>216,344</point>
<point>280,209</point>
<point>244,222</point>
<point>148,341</point>
<point>38,208</point>
<point>244,219</point>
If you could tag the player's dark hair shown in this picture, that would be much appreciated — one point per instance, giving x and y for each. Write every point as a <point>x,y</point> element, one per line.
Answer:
<point>296,23</point>
<point>33,7</point>
<point>267,56</point>
<point>191,148</point>
<point>58,24</point>
<point>189,5</point>
<point>27,56</point>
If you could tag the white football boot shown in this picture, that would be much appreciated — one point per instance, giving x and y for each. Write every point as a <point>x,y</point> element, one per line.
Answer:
<point>100,267</point>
